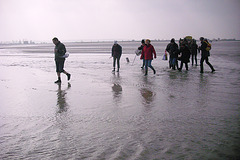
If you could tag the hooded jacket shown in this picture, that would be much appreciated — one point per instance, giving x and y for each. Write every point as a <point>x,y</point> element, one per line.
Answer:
<point>172,49</point>
<point>147,52</point>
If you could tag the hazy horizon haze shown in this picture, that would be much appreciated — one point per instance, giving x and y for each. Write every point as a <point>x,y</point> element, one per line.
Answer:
<point>76,20</point>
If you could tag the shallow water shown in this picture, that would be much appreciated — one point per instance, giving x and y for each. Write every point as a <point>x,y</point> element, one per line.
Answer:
<point>126,115</point>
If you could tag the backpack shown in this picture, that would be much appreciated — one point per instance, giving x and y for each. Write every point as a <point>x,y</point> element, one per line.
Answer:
<point>209,46</point>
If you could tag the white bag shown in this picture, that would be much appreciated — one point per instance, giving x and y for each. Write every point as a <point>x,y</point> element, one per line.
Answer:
<point>138,52</point>
<point>66,55</point>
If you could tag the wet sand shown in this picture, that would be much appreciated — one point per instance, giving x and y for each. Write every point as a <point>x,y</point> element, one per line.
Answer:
<point>125,115</point>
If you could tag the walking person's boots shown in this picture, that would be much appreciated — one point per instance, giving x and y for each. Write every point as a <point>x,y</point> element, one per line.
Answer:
<point>146,72</point>
<point>154,71</point>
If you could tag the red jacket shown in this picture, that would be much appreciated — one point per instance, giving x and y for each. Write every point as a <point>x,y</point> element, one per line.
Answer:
<point>147,52</point>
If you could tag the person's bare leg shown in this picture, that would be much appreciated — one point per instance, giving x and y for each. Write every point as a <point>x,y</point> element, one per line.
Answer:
<point>59,77</point>
<point>68,75</point>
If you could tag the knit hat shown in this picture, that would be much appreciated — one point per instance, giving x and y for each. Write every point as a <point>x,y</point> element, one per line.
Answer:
<point>115,42</point>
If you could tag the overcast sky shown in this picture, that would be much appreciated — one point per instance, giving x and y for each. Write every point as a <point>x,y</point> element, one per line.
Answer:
<point>71,20</point>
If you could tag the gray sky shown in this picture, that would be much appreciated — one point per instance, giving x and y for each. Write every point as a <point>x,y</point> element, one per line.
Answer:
<point>41,20</point>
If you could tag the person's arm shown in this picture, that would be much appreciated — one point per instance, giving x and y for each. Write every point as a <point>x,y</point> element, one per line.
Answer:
<point>154,52</point>
<point>167,48</point>
<point>62,49</point>
<point>142,54</point>
<point>140,48</point>
<point>188,53</point>
<point>203,46</point>
<point>120,49</point>
<point>112,50</point>
<point>176,50</point>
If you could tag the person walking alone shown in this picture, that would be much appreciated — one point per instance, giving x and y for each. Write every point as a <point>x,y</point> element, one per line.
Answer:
<point>116,54</point>
<point>205,54</point>
<point>60,51</point>
<point>147,53</point>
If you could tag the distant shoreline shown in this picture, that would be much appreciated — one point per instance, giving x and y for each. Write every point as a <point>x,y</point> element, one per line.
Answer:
<point>106,41</point>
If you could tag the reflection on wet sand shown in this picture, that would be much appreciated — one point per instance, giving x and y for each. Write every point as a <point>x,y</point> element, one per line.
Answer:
<point>61,98</point>
<point>203,91</point>
<point>146,92</point>
<point>147,95</point>
<point>117,88</point>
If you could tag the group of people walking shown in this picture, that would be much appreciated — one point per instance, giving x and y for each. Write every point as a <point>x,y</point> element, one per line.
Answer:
<point>147,54</point>
<point>186,49</point>
<point>182,53</point>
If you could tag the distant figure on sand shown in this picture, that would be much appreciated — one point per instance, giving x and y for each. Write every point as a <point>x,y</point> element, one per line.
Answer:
<point>140,48</point>
<point>60,51</point>
<point>194,50</point>
<point>172,49</point>
<point>205,54</point>
<point>147,54</point>
<point>116,54</point>
<point>185,55</point>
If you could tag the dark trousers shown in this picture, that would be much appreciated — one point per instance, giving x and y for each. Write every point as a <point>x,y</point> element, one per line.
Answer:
<point>114,62</point>
<point>181,65</point>
<point>194,57</point>
<point>206,60</point>
<point>60,65</point>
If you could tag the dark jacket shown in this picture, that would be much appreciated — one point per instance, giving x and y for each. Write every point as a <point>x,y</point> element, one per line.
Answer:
<point>59,51</point>
<point>147,52</point>
<point>141,47</point>
<point>194,48</point>
<point>185,54</point>
<point>116,50</point>
<point>203,47</point>
<point>172,49</point>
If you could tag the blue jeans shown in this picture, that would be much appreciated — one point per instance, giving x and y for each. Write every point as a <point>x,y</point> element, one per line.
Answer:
<point>173,63</point>
<point>148,63</point>
<point>143,63</point>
